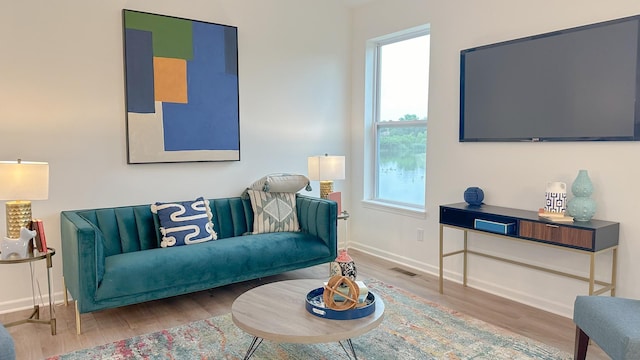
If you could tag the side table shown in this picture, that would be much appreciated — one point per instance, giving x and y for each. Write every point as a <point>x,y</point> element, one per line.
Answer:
<point>35,315</point>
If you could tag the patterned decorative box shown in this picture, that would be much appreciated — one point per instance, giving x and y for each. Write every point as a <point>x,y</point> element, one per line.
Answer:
<point>315,305</point>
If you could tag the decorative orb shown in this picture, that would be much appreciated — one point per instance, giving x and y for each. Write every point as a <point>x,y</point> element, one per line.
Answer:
<point>474,196</point>
<point>331,289</point>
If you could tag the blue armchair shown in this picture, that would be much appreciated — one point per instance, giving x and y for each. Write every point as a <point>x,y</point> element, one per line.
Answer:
<point>7,348</point>
<point>612,323</point>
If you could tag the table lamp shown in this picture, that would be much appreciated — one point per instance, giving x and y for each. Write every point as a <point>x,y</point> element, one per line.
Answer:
<point>21,182</point>
<point>326,168</point>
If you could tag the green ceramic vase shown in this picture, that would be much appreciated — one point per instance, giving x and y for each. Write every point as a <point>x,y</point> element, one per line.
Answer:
<point>582,207</point>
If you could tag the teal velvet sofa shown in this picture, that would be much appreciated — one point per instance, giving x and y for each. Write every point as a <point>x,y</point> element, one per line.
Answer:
<point>111,256</point>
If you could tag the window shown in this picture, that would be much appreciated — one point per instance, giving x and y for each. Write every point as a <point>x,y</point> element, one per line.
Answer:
<point>400,77</point>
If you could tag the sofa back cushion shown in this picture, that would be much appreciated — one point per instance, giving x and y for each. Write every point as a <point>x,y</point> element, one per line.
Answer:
<point>231,216</point>
<point>132,228</point>
<point>124,229</point>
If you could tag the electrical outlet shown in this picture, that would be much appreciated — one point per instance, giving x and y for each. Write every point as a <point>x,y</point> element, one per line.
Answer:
<point>420,234</point>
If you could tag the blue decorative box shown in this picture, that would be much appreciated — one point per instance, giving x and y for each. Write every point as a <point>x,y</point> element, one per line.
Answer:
<point>494,226</point>
<point>315,305</point>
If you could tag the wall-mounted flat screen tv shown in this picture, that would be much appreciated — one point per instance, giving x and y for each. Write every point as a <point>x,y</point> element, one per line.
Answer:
<point>578,84</point>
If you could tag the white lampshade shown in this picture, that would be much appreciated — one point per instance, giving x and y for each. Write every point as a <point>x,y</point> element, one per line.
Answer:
<point>24,180</point>
<point>325,167</point>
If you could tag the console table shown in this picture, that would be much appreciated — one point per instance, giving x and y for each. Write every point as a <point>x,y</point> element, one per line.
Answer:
<point>589,238</point>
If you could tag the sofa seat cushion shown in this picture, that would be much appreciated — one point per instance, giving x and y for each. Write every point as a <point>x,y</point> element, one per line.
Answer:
<point>210,262</point>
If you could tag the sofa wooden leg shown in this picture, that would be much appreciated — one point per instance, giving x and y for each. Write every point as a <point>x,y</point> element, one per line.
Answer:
<point>78,329</point>
<point>581,344</point>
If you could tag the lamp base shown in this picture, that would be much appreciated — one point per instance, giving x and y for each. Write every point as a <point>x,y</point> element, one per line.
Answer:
<point>326,188</point>
<point>18,216</point>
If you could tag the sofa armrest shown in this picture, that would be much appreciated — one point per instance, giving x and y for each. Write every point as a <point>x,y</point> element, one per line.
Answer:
<point>319,217</point>
<point>82,257</point>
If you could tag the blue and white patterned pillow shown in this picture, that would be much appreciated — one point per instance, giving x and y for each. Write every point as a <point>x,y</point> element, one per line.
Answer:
<point>185,223</point>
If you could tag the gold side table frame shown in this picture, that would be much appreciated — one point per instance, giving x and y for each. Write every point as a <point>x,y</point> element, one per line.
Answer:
<point>604,286</point>
<point>35,315</point>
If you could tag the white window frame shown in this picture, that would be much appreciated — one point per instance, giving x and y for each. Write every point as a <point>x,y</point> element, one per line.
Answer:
<point>372,91</point>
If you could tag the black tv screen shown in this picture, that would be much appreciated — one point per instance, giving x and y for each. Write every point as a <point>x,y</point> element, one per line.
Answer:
<point>579,84</point>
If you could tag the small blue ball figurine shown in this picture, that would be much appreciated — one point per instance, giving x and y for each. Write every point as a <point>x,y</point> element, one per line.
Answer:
<point>474,196</point>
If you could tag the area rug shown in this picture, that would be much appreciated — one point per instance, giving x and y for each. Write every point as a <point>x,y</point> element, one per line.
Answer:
<point>413,328</point>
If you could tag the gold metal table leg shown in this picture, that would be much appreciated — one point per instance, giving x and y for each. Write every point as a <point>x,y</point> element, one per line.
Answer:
<point>614,266</point>
<point>464,265</point>
<point>441,281</point>
<point>52,317</point>
<point>592,266</point>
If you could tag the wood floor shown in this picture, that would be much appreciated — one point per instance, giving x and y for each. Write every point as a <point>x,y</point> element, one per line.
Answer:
<point>34,341</point>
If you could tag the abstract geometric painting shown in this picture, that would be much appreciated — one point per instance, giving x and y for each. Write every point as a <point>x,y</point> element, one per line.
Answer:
<point>181,89</point>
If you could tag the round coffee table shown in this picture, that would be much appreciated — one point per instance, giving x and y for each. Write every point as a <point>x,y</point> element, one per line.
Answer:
<point>277,312</point>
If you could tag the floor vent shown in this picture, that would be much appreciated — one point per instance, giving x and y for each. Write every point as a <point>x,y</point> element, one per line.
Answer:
<point>403,271</point>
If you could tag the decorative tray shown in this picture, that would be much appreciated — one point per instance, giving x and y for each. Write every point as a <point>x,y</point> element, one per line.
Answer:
<point>315,305</point>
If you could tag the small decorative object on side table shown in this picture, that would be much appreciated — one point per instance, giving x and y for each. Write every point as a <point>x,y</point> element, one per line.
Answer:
<point>17,248</point>
<point>35,315</point>
<point>474,196</point>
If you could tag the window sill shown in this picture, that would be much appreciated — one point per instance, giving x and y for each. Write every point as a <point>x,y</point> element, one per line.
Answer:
<point>395,209</point>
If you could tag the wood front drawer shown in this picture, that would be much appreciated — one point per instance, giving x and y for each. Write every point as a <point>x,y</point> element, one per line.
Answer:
<point>556,233</point>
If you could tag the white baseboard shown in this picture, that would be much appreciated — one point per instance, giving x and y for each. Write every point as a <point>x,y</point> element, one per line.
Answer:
<point>400,260</point>
<point>27,303</point>
<point>491,288</point>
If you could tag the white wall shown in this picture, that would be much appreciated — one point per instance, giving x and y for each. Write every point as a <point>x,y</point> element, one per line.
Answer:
<point>62,91</point>
<point>511,174</point>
